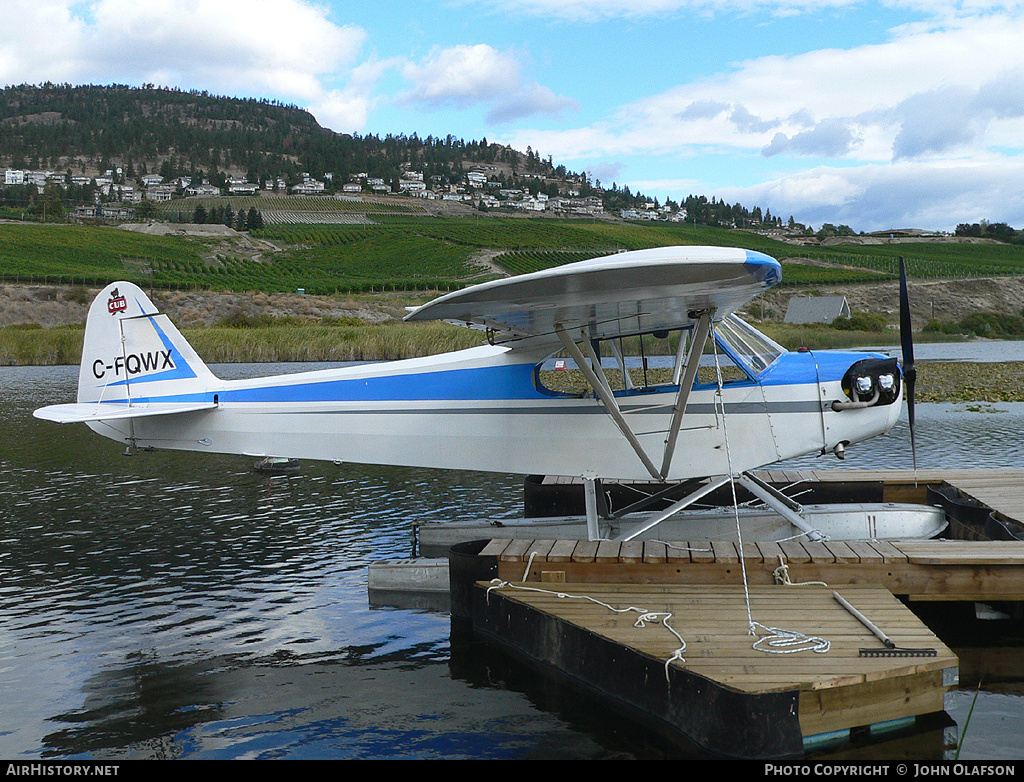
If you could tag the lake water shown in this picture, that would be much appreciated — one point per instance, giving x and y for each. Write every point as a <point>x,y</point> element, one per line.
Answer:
<point>170,605</point>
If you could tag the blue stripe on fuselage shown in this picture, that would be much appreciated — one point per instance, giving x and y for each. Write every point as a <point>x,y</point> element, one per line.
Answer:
<point>506,382</point>
<point>514,381</point>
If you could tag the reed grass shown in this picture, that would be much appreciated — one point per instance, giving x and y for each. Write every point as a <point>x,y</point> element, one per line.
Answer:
<point>40,347</point>
<point>27,346</point>
<point>383,342</point>
<point>276,343</point>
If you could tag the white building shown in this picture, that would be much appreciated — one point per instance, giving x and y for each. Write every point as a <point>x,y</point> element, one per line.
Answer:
<point>308,187</point>
<point>202,190</point>
<point>160,194</point>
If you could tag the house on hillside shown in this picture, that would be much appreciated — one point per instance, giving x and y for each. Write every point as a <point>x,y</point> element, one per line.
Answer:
<point>202,190</point>
<point>816,309</point>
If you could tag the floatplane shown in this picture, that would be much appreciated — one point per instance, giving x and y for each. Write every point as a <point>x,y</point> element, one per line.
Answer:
<point>731,402</point>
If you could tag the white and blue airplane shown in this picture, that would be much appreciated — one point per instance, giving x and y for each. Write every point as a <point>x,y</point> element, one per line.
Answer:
<point>487,408</point>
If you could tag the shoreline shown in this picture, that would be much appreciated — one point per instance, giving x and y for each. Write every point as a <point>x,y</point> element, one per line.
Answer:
<point>937,381</point>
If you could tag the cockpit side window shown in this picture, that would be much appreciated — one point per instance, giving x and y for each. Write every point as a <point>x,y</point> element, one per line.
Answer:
<point>634,365</point>
<point>630,365</point>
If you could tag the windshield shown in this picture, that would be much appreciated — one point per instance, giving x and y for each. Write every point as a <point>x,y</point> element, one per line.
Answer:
<point>748,344</point>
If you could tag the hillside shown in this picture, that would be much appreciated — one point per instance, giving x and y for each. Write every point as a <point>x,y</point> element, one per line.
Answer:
<point>90,129</point>
<point>64,145</point>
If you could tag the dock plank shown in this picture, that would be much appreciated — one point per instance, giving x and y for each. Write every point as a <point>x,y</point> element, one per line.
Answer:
<point>995,552</point>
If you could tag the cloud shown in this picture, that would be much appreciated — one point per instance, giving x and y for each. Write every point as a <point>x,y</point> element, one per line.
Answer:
<point>605,172</point>
<point>705,108</point>
<point>748,123</point>
<point>911,194</point>
<point>926,91</point>
<point>951,118</point>
<point>830,138</point>
<point>468,75</point>
<point>598,10</point>
<point>527,101</point>
<point>462,76</point>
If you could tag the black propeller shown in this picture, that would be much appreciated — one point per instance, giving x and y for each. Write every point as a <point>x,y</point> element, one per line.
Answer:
<point>907,344</point>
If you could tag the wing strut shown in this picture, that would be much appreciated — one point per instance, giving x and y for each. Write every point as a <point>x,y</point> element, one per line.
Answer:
<point>596,377</point>
<point>700,336</point>
<point>678,506</point>
<point>790,510</point>
<point>604,392</point>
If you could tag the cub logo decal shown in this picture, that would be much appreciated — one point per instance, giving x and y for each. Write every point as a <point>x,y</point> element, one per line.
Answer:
<point>116,303</point>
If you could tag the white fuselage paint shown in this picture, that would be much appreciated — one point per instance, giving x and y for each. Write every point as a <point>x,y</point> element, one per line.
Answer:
<point>480,410</point>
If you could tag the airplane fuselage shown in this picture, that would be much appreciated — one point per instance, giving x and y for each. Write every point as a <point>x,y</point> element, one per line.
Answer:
<point>485,409</point>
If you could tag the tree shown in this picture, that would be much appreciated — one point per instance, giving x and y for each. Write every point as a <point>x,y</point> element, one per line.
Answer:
<point>254,220</point>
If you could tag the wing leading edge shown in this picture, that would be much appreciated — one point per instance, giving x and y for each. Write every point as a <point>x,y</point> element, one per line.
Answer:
<point>615,295</point>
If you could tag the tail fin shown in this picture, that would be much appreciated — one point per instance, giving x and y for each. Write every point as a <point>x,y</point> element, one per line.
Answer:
<point>133,354</point>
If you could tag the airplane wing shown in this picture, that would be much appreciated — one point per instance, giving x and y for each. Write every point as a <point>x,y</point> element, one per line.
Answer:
<point>615,295</point>
<point>85,413</point>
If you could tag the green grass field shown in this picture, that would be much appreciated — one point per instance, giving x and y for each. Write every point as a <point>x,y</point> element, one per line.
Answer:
<point>391,250</point>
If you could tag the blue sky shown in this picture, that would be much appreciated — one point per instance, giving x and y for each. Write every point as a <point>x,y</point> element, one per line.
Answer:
<point>881,114</point>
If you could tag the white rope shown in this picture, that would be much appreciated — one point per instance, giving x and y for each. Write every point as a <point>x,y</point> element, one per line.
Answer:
<point>781,575</point>
<point>777,641</point>
<point>732,483</point>
<point>529,564</point>
<point>657,617</point>
<point>677,547</point>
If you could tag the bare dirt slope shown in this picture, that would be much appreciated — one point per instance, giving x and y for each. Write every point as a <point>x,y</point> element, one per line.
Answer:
<point>52,306</point>
<point>945,300</point>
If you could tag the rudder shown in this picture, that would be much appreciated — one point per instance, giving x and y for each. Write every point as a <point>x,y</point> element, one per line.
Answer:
<point>133,353</point>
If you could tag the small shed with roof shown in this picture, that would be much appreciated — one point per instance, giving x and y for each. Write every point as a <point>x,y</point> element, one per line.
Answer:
<point>816,309</point>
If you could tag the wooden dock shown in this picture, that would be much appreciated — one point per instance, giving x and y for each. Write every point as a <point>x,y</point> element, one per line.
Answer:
<point>1001,490</point>
<point>933,570</point>
<point>559,606</point>
<point>713,683</point>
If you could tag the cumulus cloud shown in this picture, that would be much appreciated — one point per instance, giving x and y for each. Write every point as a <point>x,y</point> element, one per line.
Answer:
<point>951,118</point>
<point>462,76</point>
<point>470,75</point>
<point>904,195</point>
<point>830,138</point>
<point>748,123</point>
<point>529,100</point>
<point>924,92</point>
<point>705,108</point>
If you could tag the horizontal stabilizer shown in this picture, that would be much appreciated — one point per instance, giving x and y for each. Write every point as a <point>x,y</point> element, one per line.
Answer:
<point>85,413</point>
